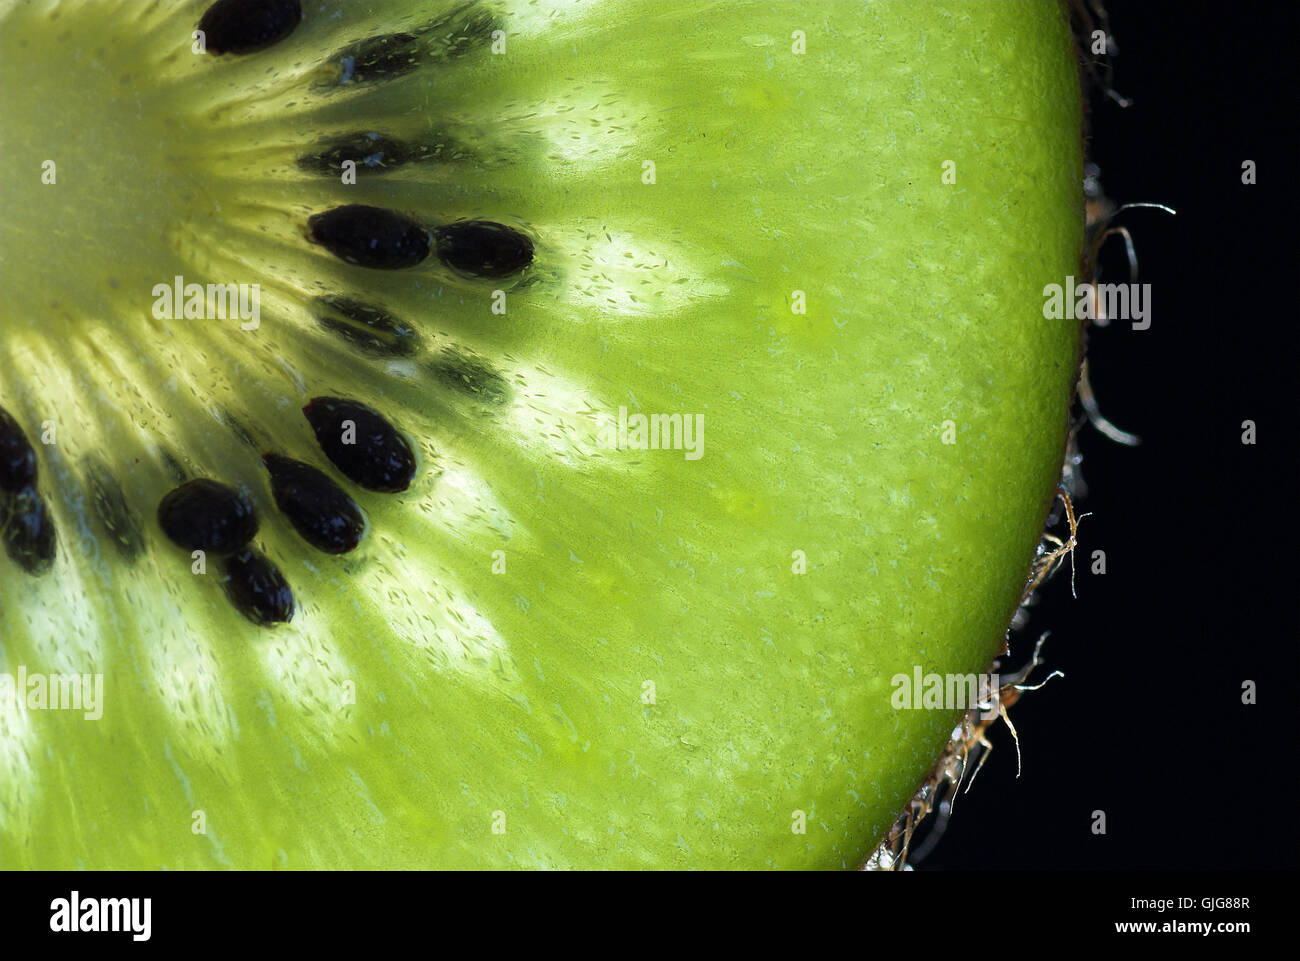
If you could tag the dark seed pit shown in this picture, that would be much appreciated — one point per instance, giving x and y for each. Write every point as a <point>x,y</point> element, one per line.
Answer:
<point>362,444</point>
<point>377,58</point>
<point>369,151</point>
<point>116,519</point>
<point>326,517</point>
<point>469,377</point>
<point>459,31</point>
<point>370,329</point>
<point>376,153</point>
<point>28,528</point>
<point>209,516</point>
<point>257,589</point>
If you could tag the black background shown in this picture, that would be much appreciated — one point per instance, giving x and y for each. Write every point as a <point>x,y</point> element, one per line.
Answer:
<point>1200,532</point>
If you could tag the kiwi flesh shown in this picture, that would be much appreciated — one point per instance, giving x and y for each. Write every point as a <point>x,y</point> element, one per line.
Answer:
<point>450,608</point>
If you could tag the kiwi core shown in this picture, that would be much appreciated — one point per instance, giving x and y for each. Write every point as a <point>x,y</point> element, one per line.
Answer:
<point>101,187</point>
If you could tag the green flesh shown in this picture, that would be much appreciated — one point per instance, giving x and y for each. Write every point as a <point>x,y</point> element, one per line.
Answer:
<point>522,692</point>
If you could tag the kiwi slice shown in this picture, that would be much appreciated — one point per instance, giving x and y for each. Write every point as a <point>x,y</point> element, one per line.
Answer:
<point>516,435</point>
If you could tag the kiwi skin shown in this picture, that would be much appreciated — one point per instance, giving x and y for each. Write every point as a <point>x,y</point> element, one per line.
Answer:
<point>496,410</point>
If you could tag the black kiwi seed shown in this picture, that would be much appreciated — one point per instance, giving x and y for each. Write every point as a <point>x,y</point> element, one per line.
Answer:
<point>362,444</point>
<point>372,330</point>
<point>205,515</point>
<point>257,589</point>
<point>17,459</point>
<point>28,530</point>
<point>370,236</point>
<point>326,517</point>
<point>172,465</point>
<point>111,510</point>
<point>238,428</point>
<point>377,58</point>
<point>244,26</point>
<point>481,248</point>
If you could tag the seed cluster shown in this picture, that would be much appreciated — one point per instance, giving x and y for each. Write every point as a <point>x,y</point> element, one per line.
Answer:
<point>361,442</point>
<point>205,514</point>
<point>386,240</point>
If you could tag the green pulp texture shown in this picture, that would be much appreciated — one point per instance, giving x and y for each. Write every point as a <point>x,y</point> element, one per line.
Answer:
<point>643,677</point>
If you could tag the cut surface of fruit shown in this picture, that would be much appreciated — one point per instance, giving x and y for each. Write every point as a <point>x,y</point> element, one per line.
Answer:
<point>699,387</point>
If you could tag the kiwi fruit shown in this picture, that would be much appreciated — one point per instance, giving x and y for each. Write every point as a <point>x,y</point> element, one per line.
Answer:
<point>516,435</point>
